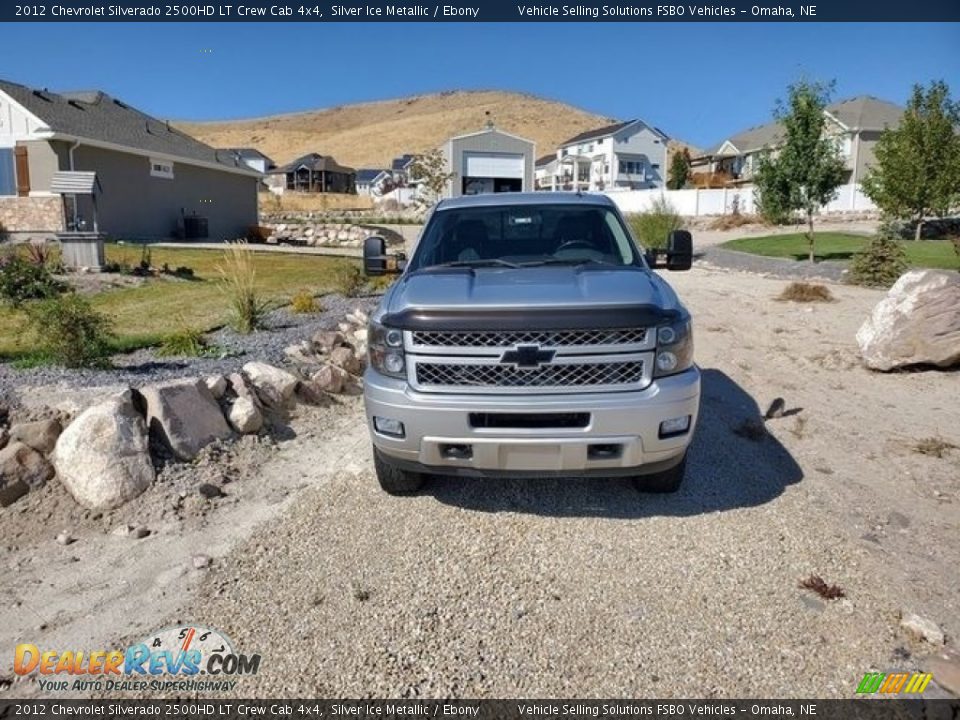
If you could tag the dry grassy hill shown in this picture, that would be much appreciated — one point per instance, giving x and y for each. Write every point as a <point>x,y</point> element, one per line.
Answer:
<point>371,134</point>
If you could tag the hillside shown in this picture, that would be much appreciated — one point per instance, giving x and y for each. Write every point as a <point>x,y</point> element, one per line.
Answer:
<point>371,134</point>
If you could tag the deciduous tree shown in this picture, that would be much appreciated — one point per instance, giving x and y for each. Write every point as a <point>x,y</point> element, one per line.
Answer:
<point>917,172</point>
<point>806,170</point>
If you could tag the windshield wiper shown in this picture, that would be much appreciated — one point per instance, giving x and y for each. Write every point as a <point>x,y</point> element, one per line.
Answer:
<point>480,262</point>
<point>567,261</point>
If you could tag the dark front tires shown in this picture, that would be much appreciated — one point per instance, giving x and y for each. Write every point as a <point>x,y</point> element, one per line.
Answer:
<point>394,480</point>
<point>667,481</point>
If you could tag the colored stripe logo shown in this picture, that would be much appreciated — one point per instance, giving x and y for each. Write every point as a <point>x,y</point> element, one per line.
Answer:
<point>893,683</point>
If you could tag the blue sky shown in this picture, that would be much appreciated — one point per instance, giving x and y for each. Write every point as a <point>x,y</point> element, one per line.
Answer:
<point>697,81</point>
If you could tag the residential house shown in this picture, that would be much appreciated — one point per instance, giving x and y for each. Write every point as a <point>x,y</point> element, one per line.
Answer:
<point>544,170</point>
<point>630,155</point>
<point>253,158</point>
<point>313,173</point>
<point>143,178</point>
<point>488,161</point>
<point>400,167</point>
<point>856,124</point>
<point>373,181</point>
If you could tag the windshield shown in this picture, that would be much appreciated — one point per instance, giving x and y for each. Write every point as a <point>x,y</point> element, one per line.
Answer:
<point>523,236</point>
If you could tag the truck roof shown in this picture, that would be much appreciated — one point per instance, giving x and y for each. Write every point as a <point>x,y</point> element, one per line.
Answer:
<point>525,198</point>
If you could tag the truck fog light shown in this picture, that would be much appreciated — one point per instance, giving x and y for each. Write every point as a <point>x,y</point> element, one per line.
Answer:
<point>393,362</point>
<point>388,426</point>
<point>666,361</point>
<point>674,426</point>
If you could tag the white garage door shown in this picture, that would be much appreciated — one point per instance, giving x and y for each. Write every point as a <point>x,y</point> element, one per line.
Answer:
<point>492,165</point>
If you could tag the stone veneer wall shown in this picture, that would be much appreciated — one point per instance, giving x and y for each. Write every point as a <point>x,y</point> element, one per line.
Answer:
<point>31,214</point>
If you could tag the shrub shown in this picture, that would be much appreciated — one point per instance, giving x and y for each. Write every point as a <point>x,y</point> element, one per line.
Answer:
<point>187,341</point>
<point>248,309</point>
<point>881,262</point>
<point>651,228</point>
<point>379,284</point>
<point>733,220</point>
<point>347,278</point>
<point>67,330</point>
<point>806,292</point>
<point>40,254</point>
<point>22,280</point>
<point>304,303</point>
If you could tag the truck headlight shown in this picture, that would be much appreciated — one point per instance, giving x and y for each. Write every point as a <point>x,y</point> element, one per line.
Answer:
<point>674,349</point>
<point>385,350</point>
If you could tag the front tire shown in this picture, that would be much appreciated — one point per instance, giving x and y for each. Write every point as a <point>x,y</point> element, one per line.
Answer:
<point>392,479</point>
<point>668,481</point>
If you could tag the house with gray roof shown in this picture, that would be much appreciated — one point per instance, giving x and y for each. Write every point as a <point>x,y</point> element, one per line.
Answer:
<point>252,157</point>
<point>626,155</point>
<point>151,180</point>
<point>313,173</point>
<point>856,124</point>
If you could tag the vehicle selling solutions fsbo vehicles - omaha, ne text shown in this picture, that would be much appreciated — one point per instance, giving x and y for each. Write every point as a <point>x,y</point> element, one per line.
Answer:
<point>528,336</point>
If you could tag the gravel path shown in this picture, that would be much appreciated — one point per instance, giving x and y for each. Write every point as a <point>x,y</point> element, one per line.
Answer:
<point>143,366</point>
<point>775,267</point>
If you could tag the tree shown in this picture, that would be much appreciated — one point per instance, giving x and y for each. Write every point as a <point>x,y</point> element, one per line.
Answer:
<point>918,163</point>
<point>679,170</point>
<point>806,172</point>
<point>430,171</point>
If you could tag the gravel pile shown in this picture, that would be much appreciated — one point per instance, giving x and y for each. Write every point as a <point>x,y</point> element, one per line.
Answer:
<point>143,367</point>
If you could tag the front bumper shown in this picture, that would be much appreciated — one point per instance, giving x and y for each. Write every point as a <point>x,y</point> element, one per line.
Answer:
<point>626,421</point>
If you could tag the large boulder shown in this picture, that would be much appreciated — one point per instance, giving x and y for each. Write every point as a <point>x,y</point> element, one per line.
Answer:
<point>40,435</point>
<point>344,357</point>
<point>184,415</point>
<point>21,469</point>
<point>103,457</point>
<point>275,387</point>
<point>917,323</point>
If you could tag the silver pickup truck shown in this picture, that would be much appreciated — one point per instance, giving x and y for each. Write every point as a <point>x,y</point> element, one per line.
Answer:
<point>528,336</point>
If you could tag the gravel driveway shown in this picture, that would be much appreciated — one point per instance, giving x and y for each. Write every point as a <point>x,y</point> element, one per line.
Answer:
<point>564,588</point>
<point>559,588</point>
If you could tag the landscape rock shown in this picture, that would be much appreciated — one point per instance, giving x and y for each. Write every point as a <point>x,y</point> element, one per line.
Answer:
<point>330,378</point>
<point>209,491</point>
<point>185,416</point>
<point>302,353</point>
<point>40,435</point>
<point>922,628</point>
<point>65,538</point>
<point>327,340</point>
<point>201,561</point>
<point>21,469</point>
<point>217,385</point>
<point>244,416</point>
<point>345,358</point>
<point>103,456</point>
<point>4,438</point>
<point>274,386</point>
<point>916,323</point>
<point>945,669</point>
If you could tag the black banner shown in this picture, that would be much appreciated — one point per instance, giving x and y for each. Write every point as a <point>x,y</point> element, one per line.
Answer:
<point>481,11</point>
<point>484,709</point>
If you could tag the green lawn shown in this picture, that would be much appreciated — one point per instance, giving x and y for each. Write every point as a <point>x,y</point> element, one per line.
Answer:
<point>145,315</point>
<point>842,246</point>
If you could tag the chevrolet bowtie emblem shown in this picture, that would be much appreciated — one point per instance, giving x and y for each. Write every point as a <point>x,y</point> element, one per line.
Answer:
<point>527,357</point>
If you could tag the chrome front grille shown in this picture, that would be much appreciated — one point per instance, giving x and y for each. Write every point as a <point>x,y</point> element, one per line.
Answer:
<point>458,374</point>
<point>544,338</point>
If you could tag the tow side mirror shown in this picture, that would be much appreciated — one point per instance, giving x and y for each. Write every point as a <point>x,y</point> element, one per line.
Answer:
<point>377,262</point>
<point>680,250</point>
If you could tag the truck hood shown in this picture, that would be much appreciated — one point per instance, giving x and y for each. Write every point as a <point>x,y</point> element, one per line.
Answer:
<point>530,297</point>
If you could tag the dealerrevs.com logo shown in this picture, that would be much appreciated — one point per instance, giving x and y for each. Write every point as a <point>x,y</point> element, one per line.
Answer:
<point>186,658</point>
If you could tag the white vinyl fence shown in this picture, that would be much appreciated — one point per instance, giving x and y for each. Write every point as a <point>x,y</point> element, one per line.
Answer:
<point>724,201</point>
